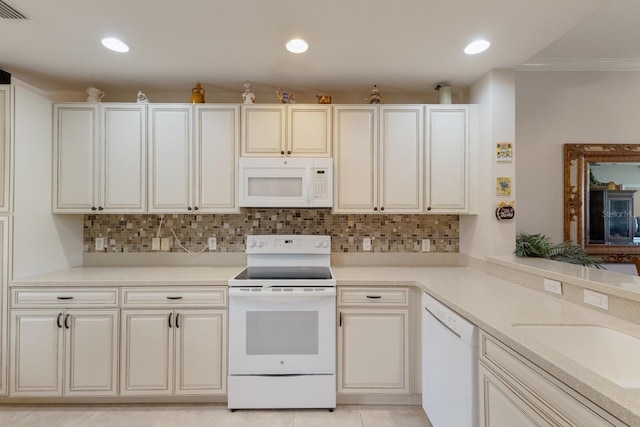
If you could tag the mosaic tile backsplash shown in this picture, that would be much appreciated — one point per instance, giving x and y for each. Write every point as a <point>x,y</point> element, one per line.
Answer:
<point>389,233</point>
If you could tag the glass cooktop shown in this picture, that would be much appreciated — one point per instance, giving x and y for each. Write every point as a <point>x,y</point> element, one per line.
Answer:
<point>285,273</point>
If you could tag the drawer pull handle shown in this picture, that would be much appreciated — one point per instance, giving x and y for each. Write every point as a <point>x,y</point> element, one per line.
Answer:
<point>66,321</point>
<point>65,298</point>
<point>374,296</point>
<point>170,314</point>
<point>58,320</point>
<point>177,320</point>
<point>174,297</point>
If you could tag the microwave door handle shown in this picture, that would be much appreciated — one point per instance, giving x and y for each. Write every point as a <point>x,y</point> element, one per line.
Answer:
<point>310,186</point>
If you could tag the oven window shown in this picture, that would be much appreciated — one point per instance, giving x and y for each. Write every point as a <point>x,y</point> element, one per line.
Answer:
<point>275,187</point>
<point>282,332</point>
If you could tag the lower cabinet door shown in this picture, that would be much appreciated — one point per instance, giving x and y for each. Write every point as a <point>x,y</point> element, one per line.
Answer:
<point>501,406</point>
<point>146,352</point>
<point>373,351</point>
<point>91,352</point>
<point>201,351</point>
<point>37,353</point>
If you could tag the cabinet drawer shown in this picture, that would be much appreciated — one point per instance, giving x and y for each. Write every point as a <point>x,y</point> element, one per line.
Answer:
<point>63,297</point>
<point>192,296</point>
<point>396,297</point>
<point>549,395</point>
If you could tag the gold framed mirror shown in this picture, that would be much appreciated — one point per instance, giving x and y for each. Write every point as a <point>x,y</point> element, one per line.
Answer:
<point>602,199</point>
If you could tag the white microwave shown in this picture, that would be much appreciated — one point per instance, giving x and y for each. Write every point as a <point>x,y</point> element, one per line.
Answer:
<point>285,182</point>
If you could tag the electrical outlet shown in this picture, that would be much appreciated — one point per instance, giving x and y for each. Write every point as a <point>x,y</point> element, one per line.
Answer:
<point>99,242</point>
<point>155,244</point>
<point>426,245</point>
<point>553,286</point>
<point>213,243</point>
<point>366,244</point>
<point>165,244</point>
<point>596,299</point>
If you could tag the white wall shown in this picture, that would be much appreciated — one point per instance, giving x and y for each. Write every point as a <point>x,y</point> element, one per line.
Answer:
<point>42,242</point>
<point>483,234</point>
<point>554,108</point>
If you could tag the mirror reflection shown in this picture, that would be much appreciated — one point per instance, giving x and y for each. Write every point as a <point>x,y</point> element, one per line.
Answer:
<point>613,200</point>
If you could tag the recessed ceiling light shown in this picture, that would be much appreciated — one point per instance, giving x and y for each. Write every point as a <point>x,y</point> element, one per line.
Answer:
<point>476,47</point>
<point>115,45</point>
<point>297,46</point>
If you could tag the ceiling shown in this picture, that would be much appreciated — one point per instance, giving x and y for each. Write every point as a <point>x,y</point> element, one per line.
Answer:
<point>401,45</point>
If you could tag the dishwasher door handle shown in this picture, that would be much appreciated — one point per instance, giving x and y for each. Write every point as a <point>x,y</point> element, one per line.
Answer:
<point>442,323</point>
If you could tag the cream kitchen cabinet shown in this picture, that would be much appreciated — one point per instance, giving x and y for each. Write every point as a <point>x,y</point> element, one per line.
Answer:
<point>378,159</point>
<point>4,306</point>
<point>176,350</point>
<point>99,158</point>
<point>5,147</point>
<point>515,392</point>
<point>373,340</point>
<point>64,342</point>
<point>450,159</point>
<point>294,130</point>
<point>193,152</point>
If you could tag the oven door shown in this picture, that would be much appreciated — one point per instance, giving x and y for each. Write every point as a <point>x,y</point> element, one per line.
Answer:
<point>282,330</point>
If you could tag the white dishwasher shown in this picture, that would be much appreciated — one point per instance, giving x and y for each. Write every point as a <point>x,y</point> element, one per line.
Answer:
<point>449,366</point>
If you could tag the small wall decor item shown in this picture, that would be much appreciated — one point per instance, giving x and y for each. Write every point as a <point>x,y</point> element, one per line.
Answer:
<point>506,211</point>
<point>503,186</point>
<point>95,95</point>
<point>285,97</point>
<point>504,152</point>
<point>323,98</point>
<point>247,96</point>
<point>374,96</point>
<point>142,98</point>
<point>444,93</point>
<point>197,94</point>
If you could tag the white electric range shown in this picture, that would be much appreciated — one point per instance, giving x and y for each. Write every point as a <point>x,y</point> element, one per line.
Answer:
<point>282,320</point>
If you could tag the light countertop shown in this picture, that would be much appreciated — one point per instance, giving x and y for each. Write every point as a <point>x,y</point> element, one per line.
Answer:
<point>493,304</point>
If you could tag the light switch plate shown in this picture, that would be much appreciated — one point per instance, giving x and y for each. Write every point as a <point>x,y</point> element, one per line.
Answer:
<point>366,244</point>
<point>553,286</point>
<point>165,244</point>
<point>596,299</point>
<point>99,242</point>
<point>155,244</point>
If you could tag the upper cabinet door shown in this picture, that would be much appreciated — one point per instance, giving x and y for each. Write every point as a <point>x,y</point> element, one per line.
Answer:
<point>75,166</point>
<point>355,136</point>
<point>5,147</point>
<point>448,167</point>
<point>263,130</point>
<point>216,138</point>
<point>123,155</point>
<point>308,131</point>
<point>170,158</point>
<point>401,159</point>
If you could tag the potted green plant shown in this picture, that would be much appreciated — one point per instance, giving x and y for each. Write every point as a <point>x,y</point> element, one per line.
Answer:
<point>539,246</point>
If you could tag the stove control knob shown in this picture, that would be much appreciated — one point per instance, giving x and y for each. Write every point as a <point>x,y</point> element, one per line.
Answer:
<point>260,244</point>
<point>325,244</point>
<point>252,243</point>
<point>317,244</point>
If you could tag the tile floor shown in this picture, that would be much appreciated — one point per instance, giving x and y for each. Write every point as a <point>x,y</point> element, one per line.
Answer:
<point>217,415</point>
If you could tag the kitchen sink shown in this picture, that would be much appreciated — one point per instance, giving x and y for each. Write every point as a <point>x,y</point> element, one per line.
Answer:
<point>608,352</point>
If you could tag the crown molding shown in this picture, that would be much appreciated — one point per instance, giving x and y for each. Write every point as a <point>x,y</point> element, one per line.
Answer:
<point>583,64</point>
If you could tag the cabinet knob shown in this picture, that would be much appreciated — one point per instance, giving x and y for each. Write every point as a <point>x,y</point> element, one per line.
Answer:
<point>375,208</point>
<point>429,208</point>
<point>195,209</point>
<point>289,152</point>
<point>189,208</point>
<point>93,208</point>
<point>382,208</point>
<point>282,152</point>
<point>100,208</point>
